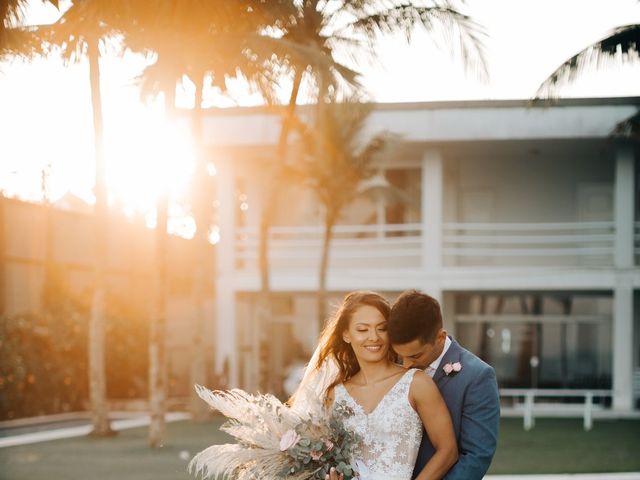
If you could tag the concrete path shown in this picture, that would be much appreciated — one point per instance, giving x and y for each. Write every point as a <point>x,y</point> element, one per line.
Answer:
<point>80,431</point>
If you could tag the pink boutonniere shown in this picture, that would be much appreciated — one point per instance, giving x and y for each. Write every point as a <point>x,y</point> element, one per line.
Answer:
<point>450,369</point>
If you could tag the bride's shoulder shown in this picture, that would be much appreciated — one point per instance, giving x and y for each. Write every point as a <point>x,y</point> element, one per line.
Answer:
<point>416,373</point>
<point>420,382</point>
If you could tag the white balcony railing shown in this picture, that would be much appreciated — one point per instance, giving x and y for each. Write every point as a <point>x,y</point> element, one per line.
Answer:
<point>463,244</point>
<point>548,244</point>
<point>352,246</point>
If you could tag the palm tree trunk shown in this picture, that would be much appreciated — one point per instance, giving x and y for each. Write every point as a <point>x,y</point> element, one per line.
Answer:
<point>329,223</point>
<point>197,407</point>
<point>3,260</point>
<point>97,371</point>
<point>157,333</point>
<point>49,266</point>
<point>271,200</point>
<point>263,310</point>
<point>330,217</point>
<point>158,371</point>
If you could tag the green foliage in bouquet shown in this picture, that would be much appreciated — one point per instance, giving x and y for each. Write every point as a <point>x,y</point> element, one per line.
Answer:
<point>313,452</point>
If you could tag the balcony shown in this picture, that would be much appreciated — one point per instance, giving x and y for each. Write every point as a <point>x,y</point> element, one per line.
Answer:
<point>400,246</point>
<point>567,244</point>
<point>352,247</point>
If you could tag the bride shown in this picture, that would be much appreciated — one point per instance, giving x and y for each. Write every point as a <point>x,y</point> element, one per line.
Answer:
<point>354,364</point>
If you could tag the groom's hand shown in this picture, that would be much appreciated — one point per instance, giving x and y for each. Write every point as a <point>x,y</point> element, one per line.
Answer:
<point>333,475</point>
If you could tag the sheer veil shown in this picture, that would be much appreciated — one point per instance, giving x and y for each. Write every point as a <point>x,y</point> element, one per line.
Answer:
<point>309,396</point>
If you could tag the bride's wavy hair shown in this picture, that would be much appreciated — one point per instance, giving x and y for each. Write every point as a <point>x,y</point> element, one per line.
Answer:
<point>332,343</point>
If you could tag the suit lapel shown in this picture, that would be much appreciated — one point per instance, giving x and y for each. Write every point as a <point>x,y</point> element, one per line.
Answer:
<point>452,356</point>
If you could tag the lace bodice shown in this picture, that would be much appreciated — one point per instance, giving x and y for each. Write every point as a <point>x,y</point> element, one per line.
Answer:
<point>390,435</point>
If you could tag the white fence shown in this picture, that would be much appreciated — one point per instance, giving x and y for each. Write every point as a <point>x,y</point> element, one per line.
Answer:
<point>530,409</point>
<point>463,244</point>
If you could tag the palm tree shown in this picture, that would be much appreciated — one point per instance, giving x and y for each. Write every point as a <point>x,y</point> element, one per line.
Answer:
<point>336,174</point>
<point>349,28</point>
<point>80,32</point>
<point>314,36</point>
<point>198,40</point>
<point>158,368</point>
<point>83,31</point>
<point>155,31</point>
<point>621,45</point>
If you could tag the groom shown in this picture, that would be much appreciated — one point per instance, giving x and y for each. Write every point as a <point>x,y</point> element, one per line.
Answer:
<point>467,384</point>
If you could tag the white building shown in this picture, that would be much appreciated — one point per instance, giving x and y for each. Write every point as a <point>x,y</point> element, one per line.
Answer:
<point>520,218</point>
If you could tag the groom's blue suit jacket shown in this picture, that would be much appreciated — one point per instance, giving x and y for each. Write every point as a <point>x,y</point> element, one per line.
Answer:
<point>472,398</point>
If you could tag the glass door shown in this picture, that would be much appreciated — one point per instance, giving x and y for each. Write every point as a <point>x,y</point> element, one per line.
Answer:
<point>541,350</point>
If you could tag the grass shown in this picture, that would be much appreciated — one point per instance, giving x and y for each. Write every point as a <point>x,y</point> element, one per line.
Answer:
<point>122,457</point>
<point>553,446</point>
<point>562,446</point>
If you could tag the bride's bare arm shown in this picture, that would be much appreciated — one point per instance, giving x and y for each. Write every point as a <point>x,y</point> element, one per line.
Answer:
<point>427,401</point>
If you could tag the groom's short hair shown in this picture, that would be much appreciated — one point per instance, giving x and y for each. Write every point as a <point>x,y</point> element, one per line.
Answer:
<point>414,315</point>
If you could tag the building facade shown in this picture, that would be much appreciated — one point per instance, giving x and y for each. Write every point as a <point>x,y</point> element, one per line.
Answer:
<point>521,218</point>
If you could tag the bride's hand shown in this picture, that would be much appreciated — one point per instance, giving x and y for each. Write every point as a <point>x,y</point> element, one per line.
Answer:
<point>333,475</point>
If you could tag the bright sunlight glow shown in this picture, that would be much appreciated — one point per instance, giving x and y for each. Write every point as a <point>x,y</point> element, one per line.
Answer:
<point>147,156</point>
<point>51,146</point>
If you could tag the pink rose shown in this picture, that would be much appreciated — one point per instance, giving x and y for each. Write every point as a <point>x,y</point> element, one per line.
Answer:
<point>289,440</point>
<point>448,368</point>
<point>315,455</point>
<point>329,444</point>
<point>457,367</point>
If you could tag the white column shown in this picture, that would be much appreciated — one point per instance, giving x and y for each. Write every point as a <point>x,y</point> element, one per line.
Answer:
<point>226,325</point>
<point>623,208</point>
<point>448,305</point>
<point>623,347</point>
<point>432,188</point>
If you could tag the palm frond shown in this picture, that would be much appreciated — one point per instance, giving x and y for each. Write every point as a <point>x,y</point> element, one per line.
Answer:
<point>620,46</point>
<point>262,412</point>
<point>628,129</point>
<point>450,30</point>
<point>335,159</point>
<point>239,462</point>
<point>22,42</point>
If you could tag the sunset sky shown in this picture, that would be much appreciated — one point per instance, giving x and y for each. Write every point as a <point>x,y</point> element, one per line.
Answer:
<point>45,113</point>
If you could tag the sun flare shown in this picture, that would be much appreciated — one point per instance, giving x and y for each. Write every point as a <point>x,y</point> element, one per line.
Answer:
<point>148,155</point>
<point>50,151</point>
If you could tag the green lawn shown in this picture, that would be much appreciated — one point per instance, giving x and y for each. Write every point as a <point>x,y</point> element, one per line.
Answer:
<point>562,446</point>
<point>123,457</point>
<point>553,446</point>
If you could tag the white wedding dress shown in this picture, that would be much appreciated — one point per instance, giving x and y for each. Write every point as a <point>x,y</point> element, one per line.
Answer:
<point>389,435</point>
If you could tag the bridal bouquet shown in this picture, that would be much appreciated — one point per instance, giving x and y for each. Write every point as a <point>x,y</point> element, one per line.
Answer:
<point>275,441</point>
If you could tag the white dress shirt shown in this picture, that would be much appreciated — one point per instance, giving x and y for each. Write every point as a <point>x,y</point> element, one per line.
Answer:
<point>433,366</point>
